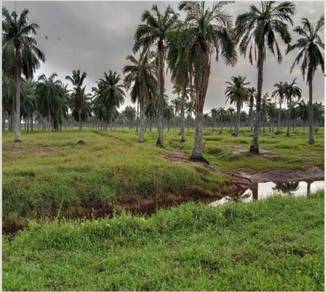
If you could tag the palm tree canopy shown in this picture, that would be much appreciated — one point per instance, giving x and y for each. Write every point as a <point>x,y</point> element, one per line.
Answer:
<point>52,96</point>
<point>279,90</point>
<point>208,29</point>
<point>310,46</point>
<point>237,91</point>
<point>292,91</point>
<point>258,28</point>
<point>77,78</point>
<point>109,96</point>
<point>140,77</point>
<point>17,37</point>
<point>154,28</point>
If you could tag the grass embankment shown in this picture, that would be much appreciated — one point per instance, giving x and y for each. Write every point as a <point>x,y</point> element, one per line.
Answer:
<point>274,244</point>
<point>48,173</point>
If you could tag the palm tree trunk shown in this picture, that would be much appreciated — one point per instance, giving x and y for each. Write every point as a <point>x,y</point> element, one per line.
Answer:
<point>288,122</point>
<point>311,116</point>
<point>32,123</point>
<point>12,116</point>
<point>18,137</point>
<point>49,120</point>
<point>279,117</point>
<point>201,89</point>
<point>141,122</point>
<point>237,123</point>
<point>3,120</point>
<point>182,113</point>
<point>137,117</point>
<point>251,112</point>
<point>160,141</point>
<point>254,147</point>
<point>80,121</point>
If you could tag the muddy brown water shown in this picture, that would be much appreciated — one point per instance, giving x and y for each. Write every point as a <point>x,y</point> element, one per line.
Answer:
<point>265,190</point>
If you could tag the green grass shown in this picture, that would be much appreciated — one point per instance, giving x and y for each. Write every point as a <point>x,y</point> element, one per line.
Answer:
<point>48,172</point>
<point>274,244</point>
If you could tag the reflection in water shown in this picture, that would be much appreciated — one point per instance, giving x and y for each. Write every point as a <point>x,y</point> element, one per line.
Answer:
<point>268,189</point>
<point>287,187</point>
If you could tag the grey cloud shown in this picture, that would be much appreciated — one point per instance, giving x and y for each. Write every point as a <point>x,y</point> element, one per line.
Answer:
<point>97,36</point>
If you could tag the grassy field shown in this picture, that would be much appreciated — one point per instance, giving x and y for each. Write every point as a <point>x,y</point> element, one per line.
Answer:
<point>48,173</point>
<point>274,244</point>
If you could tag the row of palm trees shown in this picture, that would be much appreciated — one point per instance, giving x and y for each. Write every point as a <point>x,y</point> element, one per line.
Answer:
<point>185,47</point>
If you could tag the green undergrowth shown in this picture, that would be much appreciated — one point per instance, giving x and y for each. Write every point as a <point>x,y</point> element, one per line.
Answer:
<point>273,244</point>
<point>49,171</point>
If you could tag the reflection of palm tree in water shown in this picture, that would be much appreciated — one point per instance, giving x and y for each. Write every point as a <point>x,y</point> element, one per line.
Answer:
<point>308,187</point>
<point>287,187</point>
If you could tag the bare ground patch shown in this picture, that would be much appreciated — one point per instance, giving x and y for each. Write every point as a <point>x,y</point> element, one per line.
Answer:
<point>310,173</point>
<point>262,152</point>
<point>9,148</point>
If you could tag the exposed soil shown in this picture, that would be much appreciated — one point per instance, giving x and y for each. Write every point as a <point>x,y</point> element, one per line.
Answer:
<point>176,156</point>
<point>310,173</point>
<point>135,205</point>
<point>262,152</point>
<point>27,149</point>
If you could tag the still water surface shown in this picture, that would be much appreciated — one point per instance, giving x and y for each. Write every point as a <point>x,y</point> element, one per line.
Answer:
<point>268,189</point>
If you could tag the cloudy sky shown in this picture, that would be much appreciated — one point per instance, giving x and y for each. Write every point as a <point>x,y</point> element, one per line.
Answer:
<point>97,36</point>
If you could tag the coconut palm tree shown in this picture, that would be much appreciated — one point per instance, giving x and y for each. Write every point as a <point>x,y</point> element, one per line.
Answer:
<point>265,101</point>
<point>251,103</point>
<point>8,109</point>
<point>311,48</point>
<point>109,96</point>
<point>206,30</point>
<point>280,93</point>
<point>237,93</point>
<point>256,32</point>
<point>130,114</point>
<point>302,112</point>
<point>140,77</point>
<point>271,114</point>
<point>179,63</point>
<point>151,112</point>
<point>28,102</point>
<point>79,100</point>
<point>291,91</point>
<point>52,100</point>
<point>153,32</point>
<point>17,36</point>
<point>80,105</point>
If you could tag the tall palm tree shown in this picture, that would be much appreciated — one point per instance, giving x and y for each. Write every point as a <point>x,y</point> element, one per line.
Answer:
<point>302,112</point>
<point>251,103</point>
<point>80,104</point>
<point>265,101</point>
<point>280,93</point>
<point>140,77</point>
<point>28,102</point>
<point>8,91</point>
<point>109,96</point>
<point>17,33</point>
<point>311,48</point>
<point>79,100</point>
<point>52,100</point>
<point>256,32</point>
<point>179,63</point>
<point>291,91</point>
<point>153,32</point>
<point>206,30</point>
<point>237,93</point>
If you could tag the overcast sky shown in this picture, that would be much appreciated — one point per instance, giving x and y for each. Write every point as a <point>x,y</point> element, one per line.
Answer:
<point>97,36</point>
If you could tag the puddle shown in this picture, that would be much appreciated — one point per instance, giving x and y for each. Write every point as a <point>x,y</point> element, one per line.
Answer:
<point>268,189</point>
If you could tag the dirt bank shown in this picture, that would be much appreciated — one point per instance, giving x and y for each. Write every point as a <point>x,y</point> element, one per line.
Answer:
<point>309,173</point>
